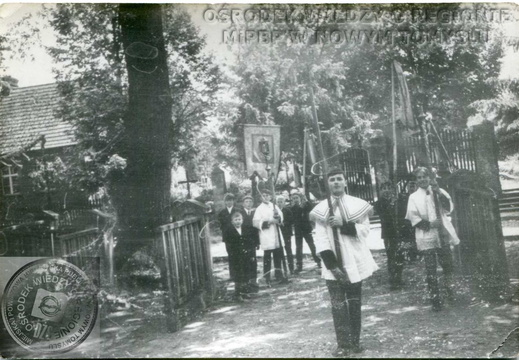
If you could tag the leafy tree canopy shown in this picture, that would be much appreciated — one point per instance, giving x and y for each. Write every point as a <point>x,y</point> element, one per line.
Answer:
<point>92,78</point>
<point>448,67</point>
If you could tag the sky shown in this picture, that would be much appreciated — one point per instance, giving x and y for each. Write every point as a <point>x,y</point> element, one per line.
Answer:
<point>39,70</point>
<point>10,14</point>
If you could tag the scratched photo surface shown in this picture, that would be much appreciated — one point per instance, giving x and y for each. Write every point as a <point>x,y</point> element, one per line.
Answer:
<point>165,189</point>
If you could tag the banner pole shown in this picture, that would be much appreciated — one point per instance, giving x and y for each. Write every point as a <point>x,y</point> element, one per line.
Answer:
<point>326,187</point>
<point>394,124</point>
<point>303,180</point>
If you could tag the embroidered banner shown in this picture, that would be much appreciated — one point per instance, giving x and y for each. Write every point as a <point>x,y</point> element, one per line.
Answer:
<point>261,148</point>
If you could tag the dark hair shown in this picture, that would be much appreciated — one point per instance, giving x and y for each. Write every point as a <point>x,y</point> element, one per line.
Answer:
<point>247,197</point>
<point>235,213</point>
<point>228,196</point>
<point>423,169</point>
<point>335,171</point>
<point>387,184</point>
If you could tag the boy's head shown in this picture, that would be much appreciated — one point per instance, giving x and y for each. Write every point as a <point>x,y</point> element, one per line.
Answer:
<point>296,199</point>
<point>336,182</point>
<point>248,202</point>
<point>229,200</point>
<point>423,177</point>
<point>266,195</point>
<point>412,187</point>
<point>280,201</point>
<point>236,219</point>
<point>387,189</point>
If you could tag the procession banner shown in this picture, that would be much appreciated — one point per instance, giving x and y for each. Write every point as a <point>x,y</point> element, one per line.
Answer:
<point>262,148</point>
<point>403,90</point>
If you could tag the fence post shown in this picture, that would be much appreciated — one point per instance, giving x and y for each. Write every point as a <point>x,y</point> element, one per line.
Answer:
<point>172,318</point>
<point>487,154</point>
<point>209,259</point>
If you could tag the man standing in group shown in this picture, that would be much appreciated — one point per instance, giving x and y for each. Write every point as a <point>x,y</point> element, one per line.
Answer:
<point>427,210</point>
<point>224,218</point>
<point>347,261</point>
<point>302,229</point>
<point>286,230</point>
<point>267,219</point>
<point>252,243</point>
<point>386,207</point>
<point>405,229</point>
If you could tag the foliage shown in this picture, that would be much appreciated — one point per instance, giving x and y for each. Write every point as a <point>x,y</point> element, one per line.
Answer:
<point>352,79</point>
<point>93,83</point>
<point>503,110</point>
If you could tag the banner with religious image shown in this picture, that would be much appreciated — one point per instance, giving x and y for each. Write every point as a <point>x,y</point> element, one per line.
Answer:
<point>262,148</point>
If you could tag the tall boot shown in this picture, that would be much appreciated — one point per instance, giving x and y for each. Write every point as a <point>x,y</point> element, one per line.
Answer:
<point>354,307</point>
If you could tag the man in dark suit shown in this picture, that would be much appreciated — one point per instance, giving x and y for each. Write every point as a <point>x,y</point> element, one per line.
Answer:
<point>251,245</point>
<point>286,230</point>
<point>236,241</point>
<point>302,229</point>
<point>386,207</point>
<point>224,217</point>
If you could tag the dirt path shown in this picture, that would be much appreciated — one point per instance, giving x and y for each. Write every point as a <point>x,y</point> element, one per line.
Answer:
<point>295,320</point>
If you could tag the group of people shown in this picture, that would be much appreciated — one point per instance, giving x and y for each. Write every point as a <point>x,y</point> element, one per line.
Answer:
<point>341,226</point>
<point>270,227</point>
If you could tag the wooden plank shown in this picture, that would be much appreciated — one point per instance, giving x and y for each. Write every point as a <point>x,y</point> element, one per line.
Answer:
<point>177,224</point>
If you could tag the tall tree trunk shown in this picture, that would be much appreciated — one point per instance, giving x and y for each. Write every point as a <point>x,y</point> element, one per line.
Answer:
<point>142,198</point>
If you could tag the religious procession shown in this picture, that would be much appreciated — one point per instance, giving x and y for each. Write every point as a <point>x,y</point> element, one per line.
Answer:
<point>259,181</point>
<point>415,221</point>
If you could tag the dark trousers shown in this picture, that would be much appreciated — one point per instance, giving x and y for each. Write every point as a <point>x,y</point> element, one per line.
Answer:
<point>267,263</point>
<point>346,311</point>
<point>299,249</point>
<point>230,260</point>
<point>288,249</point>
<point>432,257</point>
<point>252,265</point>
<point>395,260</point>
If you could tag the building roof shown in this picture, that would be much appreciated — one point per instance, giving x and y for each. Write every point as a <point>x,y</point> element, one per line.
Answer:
<point>28,113</point>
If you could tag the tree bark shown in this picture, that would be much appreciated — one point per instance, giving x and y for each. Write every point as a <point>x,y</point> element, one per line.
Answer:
<point>142,197</point>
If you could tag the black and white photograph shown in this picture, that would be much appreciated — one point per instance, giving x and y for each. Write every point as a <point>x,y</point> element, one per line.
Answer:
<point>246,180</point>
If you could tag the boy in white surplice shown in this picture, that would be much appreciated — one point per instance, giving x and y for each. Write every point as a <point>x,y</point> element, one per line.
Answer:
<point>267,219</point>
<point>427,210</point>
<point>346,264</point>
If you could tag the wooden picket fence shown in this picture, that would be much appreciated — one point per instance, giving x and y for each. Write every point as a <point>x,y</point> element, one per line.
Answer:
<point>356,166</point>
<point>460,146</point>
<point>186,265</point>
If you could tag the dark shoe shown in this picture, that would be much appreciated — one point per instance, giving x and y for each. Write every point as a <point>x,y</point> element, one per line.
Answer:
<point>284,281</point>
<point>253,288</point>
<point>237,299</point>
<point>319,266</point>
<point>341,352</point>
<point>298,270</point>
<point>437,306</point>
<point>356,349</point>
<point>395,287</point>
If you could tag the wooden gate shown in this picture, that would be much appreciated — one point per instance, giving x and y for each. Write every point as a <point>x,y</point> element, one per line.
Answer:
<point>478,224</point>
<point>186,265</point>
<point>356,166</point>
<point>459,146</point>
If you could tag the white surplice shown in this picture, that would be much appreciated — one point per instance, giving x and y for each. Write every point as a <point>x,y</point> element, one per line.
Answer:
<point>421,207</point>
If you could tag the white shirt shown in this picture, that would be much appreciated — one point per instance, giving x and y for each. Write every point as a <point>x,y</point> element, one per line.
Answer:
<point>421,207</point>
<point>269,238</point>
<point>357,260</point>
